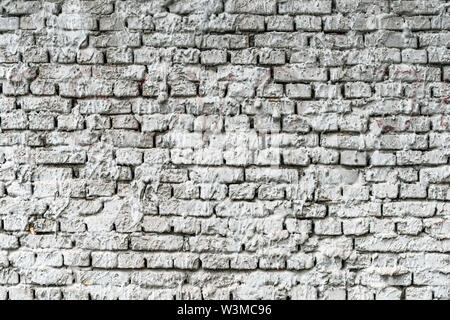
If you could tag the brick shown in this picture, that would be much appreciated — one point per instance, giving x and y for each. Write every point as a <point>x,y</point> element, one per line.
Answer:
<point>281,40</point>
<point>279,23</point>
<point>213,57</point>
<point>417,209</point>
<point>296,73</point>
<point>353,158</point>
<point>305,7</point>
<point>242,6</point>
<point>8,24</point>
<point>156,243</point>
<point>328,227</point>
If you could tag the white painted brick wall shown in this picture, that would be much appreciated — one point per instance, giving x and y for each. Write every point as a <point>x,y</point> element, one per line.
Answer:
<point>224,149</point>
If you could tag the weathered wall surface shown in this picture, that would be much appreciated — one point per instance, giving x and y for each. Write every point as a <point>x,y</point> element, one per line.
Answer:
<point>224,149</point>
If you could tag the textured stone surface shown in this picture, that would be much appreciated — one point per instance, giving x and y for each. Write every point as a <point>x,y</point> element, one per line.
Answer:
<point>225,149</point>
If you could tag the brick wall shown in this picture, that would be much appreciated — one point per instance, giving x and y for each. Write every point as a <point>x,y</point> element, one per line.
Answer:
<point>235,149</point>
